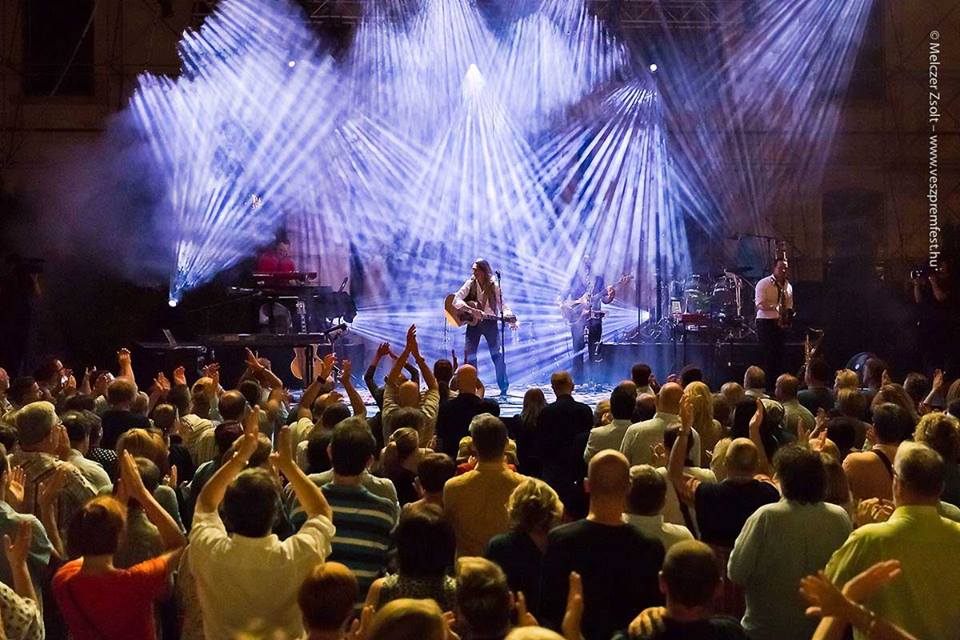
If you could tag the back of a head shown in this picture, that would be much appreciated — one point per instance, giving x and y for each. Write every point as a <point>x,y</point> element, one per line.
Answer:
<point>408,394</point>
<point>434,470</point>
<point>842,430</point>
<point>467,380</point>
<point>742,458</point>
<point>622,402</point>
<point>405,418</point>
<point>327,597</point>
<point>891,423</point>
<point>250,503</point>
<point>919,470</point>
<point>489,437</point>
<point>232,405</point>
<point>787,386</point>
<point>78,426</point>
<point>164,417</point>
<point>645,407</point>
<point>35,421</point>
<point>408,619</point>
<point>121,392</point>
<point>733,392</point>
<point>754,378</point>
<point>851,402</point>
<point>144,443</point>
<point>721,409</point>
<point>847,379</point>
<point>561,382</point>
<point>670,437</point>
<point>426,543</point>
<point>96,527</point>
<point>200,404</point>
<point>149,472</point>
<point>690,373</point>
<point>251,391</point>
<point>225,434</point>
<point>690,574</point>
<point>801,473</point>
<point>20,390</point>
<point>533,633</point>
<point>837,490</point>
<point>648,491</point>
<point>534,506</point>
<point>818,372</point>
<point>873,370</point>
<point>334,414</point>
<point>483,597</point>
<point>668,400</point>
<point>443,370</point>
<point>917,387</point>
<point>940,432</point>
<point>609,475</point>
<point>79,402</point>
<point>351,447</point>
<point>640,374</point>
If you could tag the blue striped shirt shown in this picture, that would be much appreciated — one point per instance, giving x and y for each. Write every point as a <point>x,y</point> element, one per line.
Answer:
<point>364,522</point>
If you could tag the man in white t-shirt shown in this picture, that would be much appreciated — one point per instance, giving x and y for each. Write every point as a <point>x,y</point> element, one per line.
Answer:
<point>247,581</point>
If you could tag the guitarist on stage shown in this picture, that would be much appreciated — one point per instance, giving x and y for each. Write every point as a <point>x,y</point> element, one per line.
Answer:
<point>480,298</point>
<point>774,302</point>
<point>581,308</point>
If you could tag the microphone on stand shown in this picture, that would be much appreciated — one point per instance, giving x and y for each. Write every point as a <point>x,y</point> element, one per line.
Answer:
<point>497,273</point>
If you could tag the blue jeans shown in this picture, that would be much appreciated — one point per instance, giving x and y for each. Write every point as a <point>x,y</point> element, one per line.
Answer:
<point>490,330</point>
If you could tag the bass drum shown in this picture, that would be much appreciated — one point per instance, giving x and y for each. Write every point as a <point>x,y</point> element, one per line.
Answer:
<point>696,294</point>
<point>725,297</point>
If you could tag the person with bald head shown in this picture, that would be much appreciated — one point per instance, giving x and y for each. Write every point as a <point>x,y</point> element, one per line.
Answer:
<point>641,438</point>
<point>618,564</point>
<point>455,415</point>
<point>400,393</point>
<point>562,431</point>
<point>722,508</point>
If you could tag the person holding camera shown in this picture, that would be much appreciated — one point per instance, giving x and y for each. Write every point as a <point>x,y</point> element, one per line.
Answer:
<point>934,298</point>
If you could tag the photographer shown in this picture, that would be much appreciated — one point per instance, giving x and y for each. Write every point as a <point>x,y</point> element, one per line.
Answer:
<point>934,297</point>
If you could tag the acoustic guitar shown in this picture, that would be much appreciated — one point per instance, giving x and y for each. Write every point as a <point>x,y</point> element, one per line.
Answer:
<point>460,318</point>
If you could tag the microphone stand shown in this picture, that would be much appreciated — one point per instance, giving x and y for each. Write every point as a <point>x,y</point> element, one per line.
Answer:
<point>503,327</point>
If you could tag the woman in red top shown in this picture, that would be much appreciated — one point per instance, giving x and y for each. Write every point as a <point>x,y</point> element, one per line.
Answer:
<point>98,601</point>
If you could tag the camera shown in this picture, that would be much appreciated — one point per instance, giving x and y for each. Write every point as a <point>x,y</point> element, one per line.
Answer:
<point>920,273</point>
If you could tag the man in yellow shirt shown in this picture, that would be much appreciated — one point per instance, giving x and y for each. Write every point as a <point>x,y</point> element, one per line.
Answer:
<point>921,601</point>
<point>475,503</point>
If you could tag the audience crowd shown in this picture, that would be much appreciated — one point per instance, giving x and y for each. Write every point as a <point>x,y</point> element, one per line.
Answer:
<point>811,506</point>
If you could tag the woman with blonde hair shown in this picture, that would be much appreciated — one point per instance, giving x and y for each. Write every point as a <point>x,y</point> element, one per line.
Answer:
<point>703,423</point>
<point>846,379</point>
<point>534,509</point>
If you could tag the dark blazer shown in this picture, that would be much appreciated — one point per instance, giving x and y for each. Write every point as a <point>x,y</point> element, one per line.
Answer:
<point>560,450</point>
<point>454,416</point>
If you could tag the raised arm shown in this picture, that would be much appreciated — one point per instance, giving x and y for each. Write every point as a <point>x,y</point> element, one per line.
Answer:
<point>356,403</point>
<point>263,375</point>
<point>132,485</point>
<point>17,551</point>
<point>425,371</point>
<point>212,493</point>
<point>756,422</point>
<point>125,363</point>
<point>394,376</point>
<point>685,486</point>
<point>308,494</point>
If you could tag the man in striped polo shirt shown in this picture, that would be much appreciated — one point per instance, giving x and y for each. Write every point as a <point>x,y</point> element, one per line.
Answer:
<point>363,520</point>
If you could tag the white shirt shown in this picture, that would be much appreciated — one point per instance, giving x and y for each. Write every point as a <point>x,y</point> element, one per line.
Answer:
<point>248,586</point>
<point>671,507</point>
<point>609,436</point>
<point>488,304</point>
<point>92,471</point>
<point>640,438</point>
<point>655,527</point>
<point>767,298</point>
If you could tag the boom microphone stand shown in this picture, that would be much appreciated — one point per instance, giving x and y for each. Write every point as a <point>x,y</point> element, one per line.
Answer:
<point>503,325</point>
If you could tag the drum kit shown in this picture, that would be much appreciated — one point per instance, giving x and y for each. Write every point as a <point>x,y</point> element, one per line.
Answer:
<point>711,305</point>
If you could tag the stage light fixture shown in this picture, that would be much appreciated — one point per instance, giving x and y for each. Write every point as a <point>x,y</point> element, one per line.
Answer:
<point>653,68</point>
